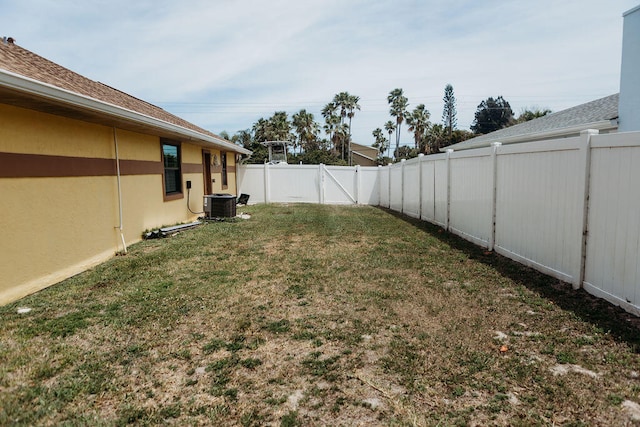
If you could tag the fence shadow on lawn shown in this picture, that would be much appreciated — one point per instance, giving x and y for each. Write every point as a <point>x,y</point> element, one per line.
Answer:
<point>623,326</point>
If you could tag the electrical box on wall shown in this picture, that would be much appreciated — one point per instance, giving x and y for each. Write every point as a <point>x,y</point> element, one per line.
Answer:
<point>188,185</point>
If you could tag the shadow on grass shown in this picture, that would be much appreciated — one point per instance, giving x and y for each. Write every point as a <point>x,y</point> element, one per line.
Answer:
<point>622,325</point>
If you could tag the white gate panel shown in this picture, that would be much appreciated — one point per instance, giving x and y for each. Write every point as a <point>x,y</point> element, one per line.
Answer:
<point>340,185</point>
<point>612,268</point>
<point>471,199</point>
<point>539,206</point>
<point>411,188</point>
<point>368,191</point>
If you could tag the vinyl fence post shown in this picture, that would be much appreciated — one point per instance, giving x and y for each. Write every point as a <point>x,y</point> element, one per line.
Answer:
<point>494,193</point>
<point>389,185</point>
<point>585,159</point>
<point>402,163</point>
<point>267,185</point>
<point>357,185</point>
<point>448,175</point>
<point>379,186</point>
<point>321,183</point>
<point>420,158</point>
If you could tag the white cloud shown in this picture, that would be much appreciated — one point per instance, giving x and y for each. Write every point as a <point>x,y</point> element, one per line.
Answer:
<point>224,64</point>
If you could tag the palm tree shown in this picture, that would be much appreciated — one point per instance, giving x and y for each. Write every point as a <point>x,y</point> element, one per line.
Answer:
<point>347,103</point>
<point>340,135</point>
<point>331,119</point>
<point>399,104</point>
<point>389,127</point>
<point>260,130</point>
<point>418,122</point>
<point>436,136</point>
<point>306,128</point>
<point>280,127</point>
<point>352,104</point>
<point>381,141</point>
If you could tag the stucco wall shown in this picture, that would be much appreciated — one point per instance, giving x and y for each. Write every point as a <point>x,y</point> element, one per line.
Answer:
<point>55,225</point>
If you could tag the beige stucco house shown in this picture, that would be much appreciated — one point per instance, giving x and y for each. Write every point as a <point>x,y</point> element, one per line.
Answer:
<point>85,169</point>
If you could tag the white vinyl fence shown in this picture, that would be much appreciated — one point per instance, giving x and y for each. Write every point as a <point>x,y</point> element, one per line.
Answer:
<point>322,184</point>
<point>568,207</point>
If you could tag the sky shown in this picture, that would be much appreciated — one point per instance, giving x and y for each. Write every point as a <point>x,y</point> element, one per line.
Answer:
<point>223,64</point>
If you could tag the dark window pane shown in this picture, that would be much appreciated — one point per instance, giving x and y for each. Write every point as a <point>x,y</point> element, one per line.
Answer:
<point>171,181</point>
<point>172,175</point>
<point>223,157</point>
<point>170,156</point>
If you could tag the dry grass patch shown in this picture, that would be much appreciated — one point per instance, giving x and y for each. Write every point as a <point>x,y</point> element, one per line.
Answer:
<point>316,315</point>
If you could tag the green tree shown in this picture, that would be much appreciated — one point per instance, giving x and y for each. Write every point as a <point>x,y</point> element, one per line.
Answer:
<point>276,128</point>
<point>321,154</point>
<point>491,115</point>
<point>436,138</point>
<point>533,113</point>
<point>449,111</point>
<point>306,128</point>
<point>399,104</point>
<point>243,138</point>
<point>418,122</point>
<point>280,127</point>
<point>390,127</point>
<point>380,142</point>
<point>405,152</point>
<point>352,105</point>
<point>347,104</point>
<point>332,121</point>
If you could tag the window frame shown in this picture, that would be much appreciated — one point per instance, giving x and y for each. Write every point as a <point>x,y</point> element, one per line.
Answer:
<point>224,177</point>
<point>178,194</point>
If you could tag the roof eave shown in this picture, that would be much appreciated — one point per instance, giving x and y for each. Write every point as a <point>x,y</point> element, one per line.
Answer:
<point>55,94</point>
<point>601,125</point>
<point>357,153</point>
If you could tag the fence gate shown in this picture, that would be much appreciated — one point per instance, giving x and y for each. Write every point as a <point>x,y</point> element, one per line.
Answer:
<point>338,185</point>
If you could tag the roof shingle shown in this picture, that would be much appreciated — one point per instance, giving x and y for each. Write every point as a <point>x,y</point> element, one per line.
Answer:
<point>18,60</point>
<point>591,112</point>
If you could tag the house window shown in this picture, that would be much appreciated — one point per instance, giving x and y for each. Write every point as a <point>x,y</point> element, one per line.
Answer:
<point>172,172</point>
<point>223,159</point>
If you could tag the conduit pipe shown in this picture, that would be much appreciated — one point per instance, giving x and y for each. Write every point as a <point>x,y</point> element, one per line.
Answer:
<point>115,142</point>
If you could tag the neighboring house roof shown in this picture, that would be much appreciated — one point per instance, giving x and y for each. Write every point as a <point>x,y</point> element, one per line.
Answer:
<point>364,150</point>
<point>600,114</point>
<point>367,154</point>
<point>31,81</point>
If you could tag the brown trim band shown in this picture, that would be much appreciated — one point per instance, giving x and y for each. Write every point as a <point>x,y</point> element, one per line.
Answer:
<point>192,168</point>
<point>140,167</point>
<point>17,165</point>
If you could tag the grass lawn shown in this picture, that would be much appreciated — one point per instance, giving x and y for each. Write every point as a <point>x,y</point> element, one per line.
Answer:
<point>316,315</point>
